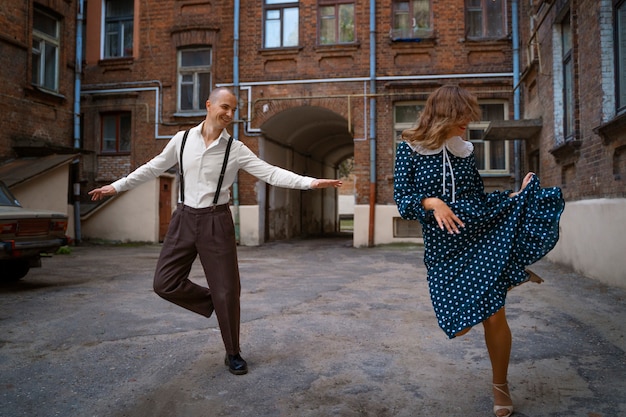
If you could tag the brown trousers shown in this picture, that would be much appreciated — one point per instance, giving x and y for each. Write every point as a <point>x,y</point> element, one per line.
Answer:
<point>210,234</point>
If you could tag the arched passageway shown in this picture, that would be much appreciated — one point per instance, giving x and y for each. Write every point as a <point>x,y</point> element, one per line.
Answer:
<point>310,140</point>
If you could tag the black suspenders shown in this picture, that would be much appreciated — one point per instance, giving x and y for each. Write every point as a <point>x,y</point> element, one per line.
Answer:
<point>180,166</point>
<point>219,182</point>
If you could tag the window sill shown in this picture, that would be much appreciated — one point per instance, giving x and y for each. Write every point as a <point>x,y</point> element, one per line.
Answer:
<point>482,42</point>
<point>112,64</point>
<point>613,129</point>
<point>495,174</point>
<point>196,113</point>
<point>114,154</point>
<point>36,91</point>
<point>567,152</point>
<point>292,50</point>
<point>425,42</point>
<point>337,47</point>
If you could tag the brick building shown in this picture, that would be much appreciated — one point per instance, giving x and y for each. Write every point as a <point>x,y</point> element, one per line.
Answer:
<point>574,83</point>
<point>38,152</point>
<point>320,81</point>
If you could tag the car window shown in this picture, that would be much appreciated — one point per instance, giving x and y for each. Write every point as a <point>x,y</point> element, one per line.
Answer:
<point>6,198</point>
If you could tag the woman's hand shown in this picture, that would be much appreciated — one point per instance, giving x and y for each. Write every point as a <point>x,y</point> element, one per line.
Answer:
<point>100,193</point>
<point>525,182</point>
<point>324,183</point>
<point>446,219</point>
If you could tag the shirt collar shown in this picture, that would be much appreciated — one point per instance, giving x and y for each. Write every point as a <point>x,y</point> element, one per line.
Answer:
<point>224,135</point>
<point>456,145</point>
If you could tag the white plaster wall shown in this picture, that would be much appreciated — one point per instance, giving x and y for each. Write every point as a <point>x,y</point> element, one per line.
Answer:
<point>133,216</point>
<point>593,239</point>
<point>346,204</point>
<point>383,226</point>
<point>48,192</point>
<point>248,225</point>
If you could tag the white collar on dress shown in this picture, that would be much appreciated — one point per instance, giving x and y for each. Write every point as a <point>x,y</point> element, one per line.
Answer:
<point>456,145</point>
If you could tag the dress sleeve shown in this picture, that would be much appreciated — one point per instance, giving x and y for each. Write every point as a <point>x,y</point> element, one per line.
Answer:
<point>406,190</point>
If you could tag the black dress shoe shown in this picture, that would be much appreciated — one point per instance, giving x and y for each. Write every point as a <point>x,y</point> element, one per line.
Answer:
<point>236,364</point>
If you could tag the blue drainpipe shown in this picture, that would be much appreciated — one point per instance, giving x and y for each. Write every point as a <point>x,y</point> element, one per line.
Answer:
<point>236,129</point>
<point>372,197</point>
<point>516,93</point>
<point>78,69</point>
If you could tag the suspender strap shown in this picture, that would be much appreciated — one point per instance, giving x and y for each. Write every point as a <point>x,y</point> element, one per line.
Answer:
<point>221,180</point>
<point>180,165</point>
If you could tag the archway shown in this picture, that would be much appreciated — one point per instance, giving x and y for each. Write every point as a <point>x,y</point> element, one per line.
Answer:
<point>309,140</point>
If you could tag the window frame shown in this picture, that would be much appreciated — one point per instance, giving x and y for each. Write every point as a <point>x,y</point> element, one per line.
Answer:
<point>118,115</point>
<point>487,144</point>
<point>398,127</point>
<point>121,21</point>
<point>419,33</point>
<point>198,99</point>
<point>336,4</point>
<point>39,55</point>
<point>567,68</point>
<point>476,126</point>
<point>619,6</point>
<point>281,6</point>
<point>485,20</point>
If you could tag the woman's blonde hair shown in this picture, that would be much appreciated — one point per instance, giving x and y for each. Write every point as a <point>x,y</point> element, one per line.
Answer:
<point>446,107</point>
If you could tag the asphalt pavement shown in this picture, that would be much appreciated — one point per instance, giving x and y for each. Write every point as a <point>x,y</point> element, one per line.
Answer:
<point>327,330</point>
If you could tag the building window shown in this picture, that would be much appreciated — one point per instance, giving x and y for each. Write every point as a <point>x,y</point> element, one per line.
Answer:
<point>485,18</point>
<point>118,28</point>
<point>411,19</point>
<point>404,117</point>
<point>336,22</point>
<point>280,23</point>
<point>46,43</point>
<point>116,132</point>
<point>568,78</point>
<point>194,79</point>
<point>620,54</point>
<point>492,157</point>
<point>403,228</point>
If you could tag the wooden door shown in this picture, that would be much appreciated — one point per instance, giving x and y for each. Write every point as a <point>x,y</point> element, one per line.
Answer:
<point>165,206</point>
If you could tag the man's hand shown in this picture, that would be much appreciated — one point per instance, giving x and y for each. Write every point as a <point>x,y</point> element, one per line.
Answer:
<point>446,219</point>
<point>324,183</point>
<point>100,193</point>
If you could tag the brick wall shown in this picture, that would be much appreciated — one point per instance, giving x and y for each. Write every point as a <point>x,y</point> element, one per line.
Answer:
<point>586,170</point>
<point>31,116</point>
<point>163,27</point>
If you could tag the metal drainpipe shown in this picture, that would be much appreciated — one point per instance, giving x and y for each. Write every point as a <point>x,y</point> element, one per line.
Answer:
<point>516,92</point>
<point>236,129</point>
<point>78,69</point>
<point>372,198</point>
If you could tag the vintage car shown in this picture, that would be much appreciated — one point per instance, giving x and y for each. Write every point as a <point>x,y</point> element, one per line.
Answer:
<point>25,234</point>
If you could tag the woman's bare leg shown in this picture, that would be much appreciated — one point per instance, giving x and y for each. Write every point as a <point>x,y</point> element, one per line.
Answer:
<point>498,340</point>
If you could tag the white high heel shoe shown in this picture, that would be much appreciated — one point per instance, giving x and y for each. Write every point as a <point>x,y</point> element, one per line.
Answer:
<point>508,408</point>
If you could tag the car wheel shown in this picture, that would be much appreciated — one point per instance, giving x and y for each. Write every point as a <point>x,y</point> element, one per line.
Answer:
<point>12,271</point>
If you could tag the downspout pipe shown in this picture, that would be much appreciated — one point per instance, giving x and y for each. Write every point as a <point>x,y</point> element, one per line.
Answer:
<point>235,188</point>
<point>78,69</point>
<point>372,129</point>
<point>516,92</point>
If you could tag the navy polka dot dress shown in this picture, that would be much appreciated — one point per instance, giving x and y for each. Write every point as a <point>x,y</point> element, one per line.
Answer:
<point>470,273</point>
